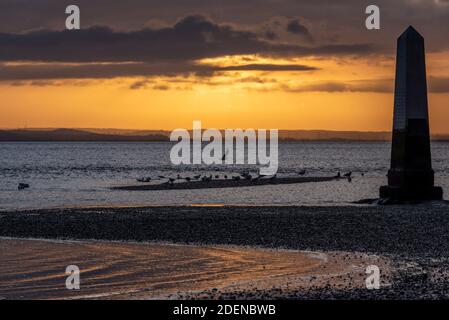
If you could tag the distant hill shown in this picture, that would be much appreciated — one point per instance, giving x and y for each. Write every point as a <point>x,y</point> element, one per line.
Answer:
<point>119,135</point>
<point>73,135</point>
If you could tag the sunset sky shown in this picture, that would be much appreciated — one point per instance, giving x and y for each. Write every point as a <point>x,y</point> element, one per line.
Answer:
<point>285,64</point>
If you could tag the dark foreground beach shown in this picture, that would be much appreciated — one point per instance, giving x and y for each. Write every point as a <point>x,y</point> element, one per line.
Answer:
<point>409,243</point>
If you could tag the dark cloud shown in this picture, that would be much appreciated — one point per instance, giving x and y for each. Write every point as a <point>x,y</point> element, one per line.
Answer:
<point>139,84</point>
<point>379,86</point>
<point>439,84</point>
<point>295,26</point>
<point>436,85</point>
<point>328,19</point>
<point>100,52</point>
<point>192,38</point>
<point>271,35</point>
<point>268,67</point>
<point>113,70</point>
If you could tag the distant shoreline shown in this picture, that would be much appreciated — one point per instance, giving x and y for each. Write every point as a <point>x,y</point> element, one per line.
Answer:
<point>117,135</point>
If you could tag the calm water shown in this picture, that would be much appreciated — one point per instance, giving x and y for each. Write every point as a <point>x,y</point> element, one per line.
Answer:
<point>80,174</point>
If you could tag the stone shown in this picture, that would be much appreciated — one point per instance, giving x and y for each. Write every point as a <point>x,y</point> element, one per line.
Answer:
<point>411,176</point>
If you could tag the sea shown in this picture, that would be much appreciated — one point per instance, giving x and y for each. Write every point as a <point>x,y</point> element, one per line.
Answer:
<point>81,174</point>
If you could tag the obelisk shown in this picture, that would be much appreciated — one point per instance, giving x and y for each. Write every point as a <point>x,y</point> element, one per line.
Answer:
<point>411,176</point>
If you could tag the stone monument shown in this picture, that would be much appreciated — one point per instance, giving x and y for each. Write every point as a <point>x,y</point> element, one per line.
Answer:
<point>411,176</point>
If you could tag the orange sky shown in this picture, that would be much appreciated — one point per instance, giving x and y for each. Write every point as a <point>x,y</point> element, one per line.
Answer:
<point>247,99</point>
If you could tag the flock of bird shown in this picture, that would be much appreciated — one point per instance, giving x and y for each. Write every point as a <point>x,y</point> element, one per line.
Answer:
<point>206,178</point>
<point>243,176</point>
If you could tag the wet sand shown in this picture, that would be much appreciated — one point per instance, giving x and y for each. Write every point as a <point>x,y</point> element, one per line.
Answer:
<point>414,238</point>
<point>35,269</point>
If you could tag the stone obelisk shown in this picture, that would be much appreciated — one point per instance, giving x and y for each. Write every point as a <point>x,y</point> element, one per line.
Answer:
<point>411,176</point>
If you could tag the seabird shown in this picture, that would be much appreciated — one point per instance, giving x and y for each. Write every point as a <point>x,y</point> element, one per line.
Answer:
<point>23,186</point>
<point>224,156</point>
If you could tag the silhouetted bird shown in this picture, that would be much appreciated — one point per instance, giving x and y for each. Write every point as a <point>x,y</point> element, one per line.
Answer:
<point>302,172</point>
<point>23,186</point>
<point>206,179</point>
<point>246,175</point>
<point>224,156</point>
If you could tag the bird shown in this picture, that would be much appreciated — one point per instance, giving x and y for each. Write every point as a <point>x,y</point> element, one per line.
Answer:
<point>188,179</point>
<point>172,180</point>
<point>302,172</point>
<point>23,186</point>
<point>224,156</point>
<point>217,176</point>
<point>246,175</point>
<point>206,179</point>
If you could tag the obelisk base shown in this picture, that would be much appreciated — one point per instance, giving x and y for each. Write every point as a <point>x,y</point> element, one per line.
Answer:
<point>410,193</point>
